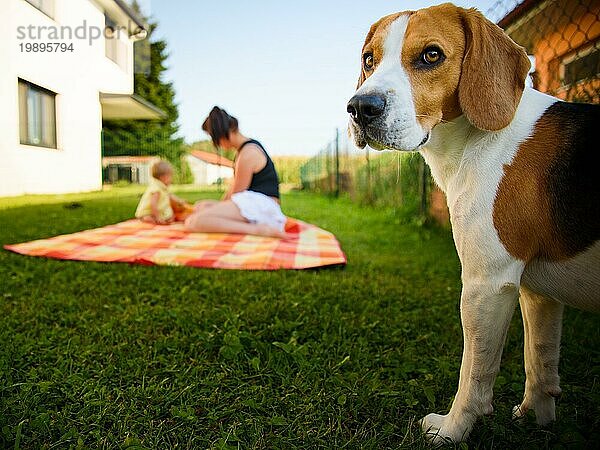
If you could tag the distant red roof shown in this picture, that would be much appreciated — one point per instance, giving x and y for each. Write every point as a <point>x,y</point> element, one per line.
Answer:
<point>212,158</point>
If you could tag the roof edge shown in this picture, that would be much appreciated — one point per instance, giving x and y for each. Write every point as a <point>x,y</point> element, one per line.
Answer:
<point>132,14</point>
<point>142,101</point>
<point>519,10</point>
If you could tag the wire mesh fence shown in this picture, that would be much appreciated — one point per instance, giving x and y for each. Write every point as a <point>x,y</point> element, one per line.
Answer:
<point>562,38</point>
<point>367,176</point>
<point>128,158</point>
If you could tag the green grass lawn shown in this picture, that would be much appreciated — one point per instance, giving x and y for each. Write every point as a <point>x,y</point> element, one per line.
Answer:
<point>100,355</point>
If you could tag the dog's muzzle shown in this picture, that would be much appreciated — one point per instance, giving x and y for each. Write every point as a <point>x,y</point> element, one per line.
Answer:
<point>371,124</point>
<point>364,109</point>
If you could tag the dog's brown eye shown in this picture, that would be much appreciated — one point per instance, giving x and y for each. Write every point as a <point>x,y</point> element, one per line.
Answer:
<point>431,55</point>
<point>368,61</point>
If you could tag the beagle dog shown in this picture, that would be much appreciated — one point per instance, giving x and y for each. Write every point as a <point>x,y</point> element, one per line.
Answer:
<point>520,172</point>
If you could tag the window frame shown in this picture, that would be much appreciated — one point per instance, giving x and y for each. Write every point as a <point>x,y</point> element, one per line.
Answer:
<point>23,107</point>
<point>114,48</point>
<point>576,55</point>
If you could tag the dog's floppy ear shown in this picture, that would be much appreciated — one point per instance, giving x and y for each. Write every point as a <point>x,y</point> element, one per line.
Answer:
<point>493,73</point>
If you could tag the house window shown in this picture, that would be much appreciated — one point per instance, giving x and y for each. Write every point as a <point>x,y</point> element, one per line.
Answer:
<point>37,115</point>
<point>115,48</point>
<point>584,65</point>
<point>45,6</point>
<point>110,36</point>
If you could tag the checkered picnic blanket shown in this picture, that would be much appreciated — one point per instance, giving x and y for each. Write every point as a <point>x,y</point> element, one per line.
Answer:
<point>137,242</point>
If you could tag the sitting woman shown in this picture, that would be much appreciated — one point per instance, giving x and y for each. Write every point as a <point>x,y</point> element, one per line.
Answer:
<point>251,205</point>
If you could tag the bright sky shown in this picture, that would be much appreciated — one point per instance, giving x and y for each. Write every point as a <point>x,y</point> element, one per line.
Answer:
<point>285,69</point>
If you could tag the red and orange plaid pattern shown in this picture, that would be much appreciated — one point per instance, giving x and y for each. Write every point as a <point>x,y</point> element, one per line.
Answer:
<point>137,242</point>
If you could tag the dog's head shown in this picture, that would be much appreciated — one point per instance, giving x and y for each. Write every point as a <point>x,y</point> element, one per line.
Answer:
<point>420,68</point>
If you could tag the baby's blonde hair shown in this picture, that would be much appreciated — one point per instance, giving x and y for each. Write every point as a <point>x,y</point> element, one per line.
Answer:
<point>161,168</point>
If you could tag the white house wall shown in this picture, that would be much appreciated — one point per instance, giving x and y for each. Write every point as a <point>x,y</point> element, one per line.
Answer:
<point>205,173</point>
<point>77,78</point>
<point>214,172</point>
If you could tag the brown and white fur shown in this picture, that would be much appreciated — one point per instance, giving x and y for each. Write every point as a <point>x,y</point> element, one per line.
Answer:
<point>519,169</point>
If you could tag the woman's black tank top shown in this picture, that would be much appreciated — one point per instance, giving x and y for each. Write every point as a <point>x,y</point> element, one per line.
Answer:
<point>264,181</point>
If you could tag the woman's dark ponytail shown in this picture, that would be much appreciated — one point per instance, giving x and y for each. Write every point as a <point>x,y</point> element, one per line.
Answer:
<point>219,124</point>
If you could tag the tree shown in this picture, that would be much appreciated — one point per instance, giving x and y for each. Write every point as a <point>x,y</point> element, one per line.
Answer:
<point>143,137</point>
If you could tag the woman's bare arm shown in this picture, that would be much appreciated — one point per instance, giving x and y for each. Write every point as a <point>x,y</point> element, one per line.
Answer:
<point>248,162</point>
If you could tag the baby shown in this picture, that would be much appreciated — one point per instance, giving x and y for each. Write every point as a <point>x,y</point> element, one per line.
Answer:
<point>158,205</point>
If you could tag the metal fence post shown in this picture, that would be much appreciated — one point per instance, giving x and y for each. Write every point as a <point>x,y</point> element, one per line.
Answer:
<point>368,175</point>
<point>337,162</point>
<point>423,186</point>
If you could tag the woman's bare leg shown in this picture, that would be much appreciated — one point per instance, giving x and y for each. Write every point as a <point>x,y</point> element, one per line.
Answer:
<point>225,217</point>
<point>203,204</point>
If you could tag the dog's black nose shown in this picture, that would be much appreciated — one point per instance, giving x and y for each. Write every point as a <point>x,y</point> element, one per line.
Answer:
<point>366,108</point>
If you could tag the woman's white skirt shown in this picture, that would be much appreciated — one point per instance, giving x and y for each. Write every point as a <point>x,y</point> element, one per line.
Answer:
<point>259,208</point>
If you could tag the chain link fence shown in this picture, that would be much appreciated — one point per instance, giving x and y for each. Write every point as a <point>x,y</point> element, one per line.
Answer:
<point>128,159</point>
<point>369,177</point>
<point>562,38</point>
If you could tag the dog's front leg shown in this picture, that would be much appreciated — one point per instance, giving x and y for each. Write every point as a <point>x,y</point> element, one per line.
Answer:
<point>486,309</point>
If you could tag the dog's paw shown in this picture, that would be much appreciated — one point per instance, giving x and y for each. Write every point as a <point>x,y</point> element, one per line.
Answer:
<point>441,429</point>
<point>542,403</point>
<point>519,411</point>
